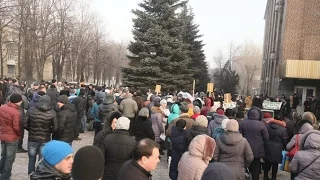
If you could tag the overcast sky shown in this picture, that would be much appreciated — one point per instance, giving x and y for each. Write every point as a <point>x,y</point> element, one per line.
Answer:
<point>221,21</point>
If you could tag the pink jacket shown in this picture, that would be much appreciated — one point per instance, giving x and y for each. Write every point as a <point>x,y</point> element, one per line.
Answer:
<point>195,161</point>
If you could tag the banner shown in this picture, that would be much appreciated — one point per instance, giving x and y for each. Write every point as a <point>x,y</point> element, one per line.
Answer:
<point>227,98</point>
<point>210,87</point>
<point>271,105</point>
<point>158,89</point>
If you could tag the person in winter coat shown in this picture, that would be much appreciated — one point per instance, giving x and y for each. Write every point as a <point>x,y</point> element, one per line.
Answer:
<point>129,107</point>
<point>99,94</point>
<point>63,126</point>
<point>10,126</point>
<point>206,109</point>
<point>39,124</point>
<point>254,130</point>
<point>108,128</point>
<point>79,103</point>
<point>36,98</point>
<point>117,149</point>
<point>290,124</point>
<point>95,114</point>
<point>278,138</point>
<point>174,113</point>
<point>56,162</point>
<point>156,120</point>
<point>217,120</point>
<point>185,116</point>
<point>139,99</point>
<point>200,127</point>
<point>179,146</point>
<point>306,161</point>
<point>196,111</point>
<point>54,95</point>
<point>194,162</point>
<point>142,126</point>
<point>106,108</point>
<point>301,128</point>
<point>312,118</point>
<point>233,150</point>
<point>217,171</point>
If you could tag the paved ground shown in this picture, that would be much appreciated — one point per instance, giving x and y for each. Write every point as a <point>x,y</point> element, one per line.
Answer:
<point>20,166</point>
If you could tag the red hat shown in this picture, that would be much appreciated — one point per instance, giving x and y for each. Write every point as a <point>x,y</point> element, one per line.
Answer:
<point>220,111</point>
<point>266,115</point>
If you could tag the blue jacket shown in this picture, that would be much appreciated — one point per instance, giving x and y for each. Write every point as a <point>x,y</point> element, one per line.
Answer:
<point>174,113</point>
<point>94,111</point>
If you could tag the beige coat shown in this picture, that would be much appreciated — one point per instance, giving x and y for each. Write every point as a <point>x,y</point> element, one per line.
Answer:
<point>195,161</point>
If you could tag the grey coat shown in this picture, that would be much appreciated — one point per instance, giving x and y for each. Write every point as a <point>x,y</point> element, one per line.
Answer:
<point>309,155</point>
<point>156,119</point>
<point>128,107</point>
<point>216,122</point>
<point>234,151</point>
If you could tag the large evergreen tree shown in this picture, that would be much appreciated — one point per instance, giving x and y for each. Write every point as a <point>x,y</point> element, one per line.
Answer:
<point>158,53</point>
<point>197,66</point>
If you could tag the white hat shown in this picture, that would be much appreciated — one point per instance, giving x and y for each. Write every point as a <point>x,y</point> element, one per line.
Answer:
<point>169,100</point>
<point>224,123</point>
<point>123,123</point>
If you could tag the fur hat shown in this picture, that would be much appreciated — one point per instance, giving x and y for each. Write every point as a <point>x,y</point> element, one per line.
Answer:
<point>123,123</point>
<point>232,125</point>
<point>202,121</point>
<point>88,164</point>
<point>15,98</point>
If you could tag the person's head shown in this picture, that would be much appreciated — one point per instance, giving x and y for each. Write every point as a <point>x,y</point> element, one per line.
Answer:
<point>163,103</point>
<point>123,123</point>
<point>59,155</point>
<point>291,97</point>
<point>203,147</point>
<point>53,86</point>
<point>42,88</point>
<point>201,121</point>
<point>196,110</point>
<point>156,104</point>
<point>181,123</point>
<point>224,123</point>
<point>217,171</point>
<point>220,111</point>
<point>144,112</point>
<point>146,154</point>
<point>184,108</point>
<point>229,112</point>
<point>232,126</point>
<point>15,82</point>
<point>112,120</point>
<point>16,99</point>
<point>54,82</point>
<point>240,115</point>
<point>88,164</point>
<point>62,100</point>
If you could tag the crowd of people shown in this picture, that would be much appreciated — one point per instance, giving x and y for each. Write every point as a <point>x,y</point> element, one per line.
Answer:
<point>133,129</point>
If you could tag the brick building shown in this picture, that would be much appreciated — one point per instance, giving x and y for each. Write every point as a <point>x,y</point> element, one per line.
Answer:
<point>291,52</point>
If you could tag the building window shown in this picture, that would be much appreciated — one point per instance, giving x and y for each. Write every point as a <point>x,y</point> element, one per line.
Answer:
<point>11,69</point>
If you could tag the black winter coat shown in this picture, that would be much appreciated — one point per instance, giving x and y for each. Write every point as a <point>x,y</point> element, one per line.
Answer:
<point>46,172</point>
<point>195,131</point>
<point>40,122</point>
<point>131,170</point>
<point>142,128</point>
<point>63,128</point>
<point>105,109</point>
<point>254,130</point>
<point>117,149</point>
<point>54,95</point>
<point>179,146</point>
<point>278,138</point>
<point>79,104</point>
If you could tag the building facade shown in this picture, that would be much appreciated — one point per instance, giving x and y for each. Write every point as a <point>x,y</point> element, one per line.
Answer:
<point>291,51</point>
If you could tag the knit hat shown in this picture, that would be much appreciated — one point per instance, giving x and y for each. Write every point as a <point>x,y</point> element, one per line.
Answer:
<point>163,101</point>
<point>224,123</point>
<point>232,125</point>
<point>55,151</point>
<point>181,123</point>
<point>63,99</point>
<point>220,112</point>
<point>169,100</point>
<point>123,123</point>
<point>217,171</point>
<point>15,98</point>
<point>144,112</point>
<point>196,109</point>
<point>202,121</point>
<point>45,98</point>
<point>88,164</point>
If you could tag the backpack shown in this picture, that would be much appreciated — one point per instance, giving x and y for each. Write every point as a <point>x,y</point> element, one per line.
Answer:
<point>217,132</point>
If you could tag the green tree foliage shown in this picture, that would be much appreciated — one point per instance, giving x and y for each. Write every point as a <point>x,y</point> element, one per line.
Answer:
<point>226,79</point>
<point>198,66</point>
<point>159,54</point>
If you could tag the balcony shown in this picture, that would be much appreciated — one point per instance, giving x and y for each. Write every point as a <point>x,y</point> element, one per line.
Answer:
<point>11,62</point>
<point>301,69</point>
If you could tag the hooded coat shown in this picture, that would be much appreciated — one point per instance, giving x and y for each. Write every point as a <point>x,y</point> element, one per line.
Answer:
<point>216,122</point>
<point>46,172</point>
<point>174,113</point>
<point>40,121</point>
<point>301,128</point>
<point>156,120</point>
<point>195,131</point>
<point>194,162</point>
<point>106,108</point>
<point>306,162</point>
<point>234,151</point>
<point>219,171</point>
<point>278,138</point>
<point>254,130</point>
<point>206,109</point>
<point>142,128</point>
<point>129,107</point>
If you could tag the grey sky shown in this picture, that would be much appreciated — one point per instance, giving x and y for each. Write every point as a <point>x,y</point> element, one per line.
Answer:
<point>221,21</point>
